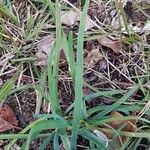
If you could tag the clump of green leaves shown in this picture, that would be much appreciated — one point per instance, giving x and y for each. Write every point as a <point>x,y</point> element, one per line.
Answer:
<point>60,126</point>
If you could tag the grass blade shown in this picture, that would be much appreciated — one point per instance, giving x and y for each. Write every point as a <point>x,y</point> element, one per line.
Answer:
<point>6,88</point>
<point>79,107</point>
<point>53,62</point>
<point>117,103</point>
<point>46,141</point>
<point>103,93</point>
<point>92,138</point>
<point>6,11</point>
<point>56,143</point>
<point>68,49</point>
<point>43,125</point>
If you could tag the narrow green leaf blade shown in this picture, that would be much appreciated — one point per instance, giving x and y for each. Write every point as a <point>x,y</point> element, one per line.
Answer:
<point>117,103</point>
<point>44,125</point>
<point>92,138</point>
<point>6,88</point>
<point>79,106</point>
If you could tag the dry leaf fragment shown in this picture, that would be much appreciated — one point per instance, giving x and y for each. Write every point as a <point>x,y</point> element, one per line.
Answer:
<point>4,125</point>
<point>116,124</point>
<point>44,46</point>
<point>92,58</point>
<point>88,25</point>
<point>128,126</point>
<point>70,18</point>
<point>115,45</point>
<point>8,119</point>
<point>8,114</point>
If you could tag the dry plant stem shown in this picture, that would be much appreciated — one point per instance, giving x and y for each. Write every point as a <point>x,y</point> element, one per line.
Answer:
<point>38,102</point>
<point>18,102</point>
<point>146,108</point>
<point>20,76</point>
<point>4,62</point>
<point>31,72</point>
<point>9,72</point>
<point>119,71</point>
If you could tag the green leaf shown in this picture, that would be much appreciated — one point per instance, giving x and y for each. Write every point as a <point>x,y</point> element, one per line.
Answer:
<point>133,107</point>
<point>44,125</point>
<point>133,145</point>
<point>117,103</point>
<point>66,141</point>
<point>103,93</point>
<point>6,88</point>
<point>37,29</point>
<point>46,141</point>
<point>79,105</point>
<point>68,49</point>
<point>6,11</point>
<point>92,138</point>
<point>53,61</point>
<point>55,142</point>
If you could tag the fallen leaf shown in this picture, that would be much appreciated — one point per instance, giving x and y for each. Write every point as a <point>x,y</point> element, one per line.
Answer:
<point>88,25</point>
<point>116,124</point>
<point>42,59</point>
<point>70,18</point>
<point>128,126</point>
<point>92,58</point>
<point>115,45</point>
<point>5,126</point>
<point>8,119</point>
<point>8,114</point>
<point>44,46</point>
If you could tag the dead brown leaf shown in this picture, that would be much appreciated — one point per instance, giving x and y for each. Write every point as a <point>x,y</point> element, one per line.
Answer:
<point>70,18</point>
<point>44,46</point>
<point>8,119</point>
<point>92,58</point>
<point>8,114</point>
<point>5,126</point>
<point>115,45</point>
<point>129,126</point>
